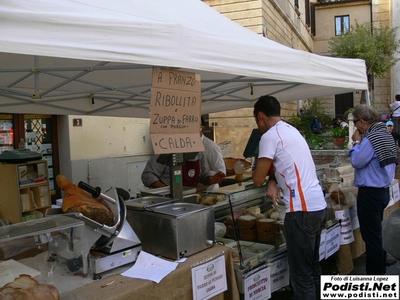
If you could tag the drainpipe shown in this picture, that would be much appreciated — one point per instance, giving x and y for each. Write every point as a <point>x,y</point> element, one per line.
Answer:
<point>89,173</point>
<point>372,79</point>
<point>370,11</point>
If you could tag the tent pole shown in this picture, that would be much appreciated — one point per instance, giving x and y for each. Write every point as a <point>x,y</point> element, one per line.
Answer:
<point>367,97</point>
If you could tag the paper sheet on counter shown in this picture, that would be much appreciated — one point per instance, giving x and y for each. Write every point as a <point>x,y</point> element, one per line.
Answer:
<point>149,267</point>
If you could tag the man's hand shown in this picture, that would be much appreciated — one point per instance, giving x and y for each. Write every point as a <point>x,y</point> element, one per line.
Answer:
<point>273,192</point>
<point>357,135</point>
<point>217,178</point>
<point>157,184</point>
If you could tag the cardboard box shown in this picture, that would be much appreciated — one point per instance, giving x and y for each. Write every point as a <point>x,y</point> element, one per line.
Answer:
<point>22,173</point>
<point>41,170</point>
<point>343,259</point>
<point>357,248</point>
<point>25,201</point>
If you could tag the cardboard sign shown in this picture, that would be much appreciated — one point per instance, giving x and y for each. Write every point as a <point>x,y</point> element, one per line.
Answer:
<point>176,143</point>
<point>176,80</point>
<point>175,114</point>
<point>175,111</point>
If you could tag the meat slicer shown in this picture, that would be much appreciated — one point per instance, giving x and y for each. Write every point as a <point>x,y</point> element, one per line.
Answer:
<point>99,247</point>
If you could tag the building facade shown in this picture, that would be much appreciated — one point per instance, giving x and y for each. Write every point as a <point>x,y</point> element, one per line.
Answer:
<point>305,25</point>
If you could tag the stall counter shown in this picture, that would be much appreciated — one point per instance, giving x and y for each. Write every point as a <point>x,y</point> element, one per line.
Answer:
<point>177,285</point>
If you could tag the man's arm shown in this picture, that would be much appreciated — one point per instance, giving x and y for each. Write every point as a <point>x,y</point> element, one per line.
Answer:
<point>212,164</point>
<point>158,184</point>
<point>152,173</point>
<point>263,169</point>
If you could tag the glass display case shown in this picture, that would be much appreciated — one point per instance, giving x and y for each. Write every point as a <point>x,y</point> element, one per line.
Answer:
<point>21,237</point>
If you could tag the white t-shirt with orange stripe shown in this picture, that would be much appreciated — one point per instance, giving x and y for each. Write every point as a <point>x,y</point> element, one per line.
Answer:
<point>294,167</point>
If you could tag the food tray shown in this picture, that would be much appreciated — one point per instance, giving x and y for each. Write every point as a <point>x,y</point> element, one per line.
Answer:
<point>148,201</point>
<point>215,199</point>
<point>251,249</point>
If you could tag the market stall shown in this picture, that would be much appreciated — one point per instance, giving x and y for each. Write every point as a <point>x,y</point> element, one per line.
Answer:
<point>70,70</point>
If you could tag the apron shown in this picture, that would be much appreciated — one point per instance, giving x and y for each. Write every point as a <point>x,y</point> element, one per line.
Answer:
<point>191,173</point>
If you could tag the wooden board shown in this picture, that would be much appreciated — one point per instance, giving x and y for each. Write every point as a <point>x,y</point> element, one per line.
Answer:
<point>11,269</point>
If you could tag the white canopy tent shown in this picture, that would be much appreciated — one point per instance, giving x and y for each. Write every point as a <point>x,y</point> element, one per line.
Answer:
<point>95,57</point>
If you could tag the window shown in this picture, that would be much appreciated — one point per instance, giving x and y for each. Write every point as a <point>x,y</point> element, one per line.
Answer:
<point>307,9</point>
<point>342,24</point>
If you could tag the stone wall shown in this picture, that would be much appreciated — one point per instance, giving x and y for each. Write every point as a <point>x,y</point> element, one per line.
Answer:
<point>322,157</point>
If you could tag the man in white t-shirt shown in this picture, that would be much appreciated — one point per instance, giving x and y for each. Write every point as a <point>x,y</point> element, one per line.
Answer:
<point>294,172</point>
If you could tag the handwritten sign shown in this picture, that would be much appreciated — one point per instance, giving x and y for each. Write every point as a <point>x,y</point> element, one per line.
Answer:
<point>175,114</point>
<point>209,279</point>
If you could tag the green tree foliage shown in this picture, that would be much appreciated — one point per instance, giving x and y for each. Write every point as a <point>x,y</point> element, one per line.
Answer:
<point>376,45</point>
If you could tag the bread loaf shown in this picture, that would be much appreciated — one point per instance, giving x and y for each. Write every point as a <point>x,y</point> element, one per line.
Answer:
<point>249,235</point>
<point>269,212</point>
<point>230,232</point>
<point>236,215</point>
<point>266,224</point>
<point>77,200</point>
<point>245,222</point>
<point>25,287</point>
<point>254,210</point>
<point>210,199</point>
<point>266,237</point>
<point>338,196</point>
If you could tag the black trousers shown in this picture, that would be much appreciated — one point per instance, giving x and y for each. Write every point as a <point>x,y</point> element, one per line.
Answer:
<point>371,203</point>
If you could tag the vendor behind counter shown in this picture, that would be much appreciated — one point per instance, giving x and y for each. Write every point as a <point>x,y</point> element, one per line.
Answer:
<point>205,171</point>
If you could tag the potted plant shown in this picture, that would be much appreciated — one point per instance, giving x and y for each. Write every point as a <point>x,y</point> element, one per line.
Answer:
<point>339,135</point>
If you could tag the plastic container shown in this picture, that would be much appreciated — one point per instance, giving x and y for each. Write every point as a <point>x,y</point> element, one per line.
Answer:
<point>239,170</point>
<point>21,144</point>
<point>252,252</point>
